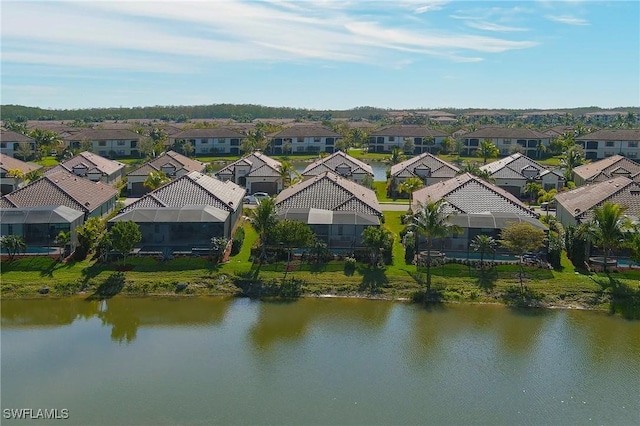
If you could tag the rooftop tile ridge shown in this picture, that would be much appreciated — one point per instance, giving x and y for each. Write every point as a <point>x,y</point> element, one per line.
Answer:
<point>610,196</point>
<point>62,191</point>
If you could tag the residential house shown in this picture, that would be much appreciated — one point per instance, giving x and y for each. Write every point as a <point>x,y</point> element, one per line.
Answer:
<point>216,140</point>
<point>172,164</point>
<point>39,226</point>
<point>12,143</point>
<point>427,167</point>
<point>576,206</point>
<point>302,138</point>
<point>92,167</point>
<point>338,210</point>
<point>608,117</point>
<point>183,215</point>
<point>111,143</point>
<point>11,183</point>
<point>478,207</point>
<point>609,142</point>
<point>606,169</point>
<point>512,173</point>
<point>256,172</point>
<point>341,164</point>
<point>530,142</point>
<point>490,116</point>
<point>93,199</point>
<point>423,138</point>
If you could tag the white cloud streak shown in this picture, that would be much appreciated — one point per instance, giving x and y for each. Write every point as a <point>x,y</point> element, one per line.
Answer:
<point>567,19</point>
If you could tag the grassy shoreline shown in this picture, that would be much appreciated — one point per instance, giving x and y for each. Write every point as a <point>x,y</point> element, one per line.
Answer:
<point>42,277</point>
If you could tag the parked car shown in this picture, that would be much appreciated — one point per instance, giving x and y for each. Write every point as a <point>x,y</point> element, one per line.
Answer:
<point>251,200</point>
<point>261,195</point>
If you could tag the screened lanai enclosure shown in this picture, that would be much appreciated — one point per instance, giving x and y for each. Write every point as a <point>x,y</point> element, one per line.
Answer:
<point>339,229</point>
<point>180,229</point>
<point>39,226</point>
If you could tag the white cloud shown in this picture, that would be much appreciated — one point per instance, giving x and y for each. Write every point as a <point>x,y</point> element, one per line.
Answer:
<point>567,19</point>
<point>488,26</point>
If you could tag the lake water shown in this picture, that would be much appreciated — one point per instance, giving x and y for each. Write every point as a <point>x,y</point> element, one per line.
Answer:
<point>316,361</point>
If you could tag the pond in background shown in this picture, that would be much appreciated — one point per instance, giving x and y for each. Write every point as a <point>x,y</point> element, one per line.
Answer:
<point>316,361</point>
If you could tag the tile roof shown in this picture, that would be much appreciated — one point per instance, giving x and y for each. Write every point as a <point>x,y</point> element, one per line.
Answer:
<point>506,132</point>
<point>407,130</point>
<point>62,189</point>
<point>93,162</point>
<point>607,168</point>
<point>329,191</point>
<point>580,201</point>
<point>104,134</point>
<point>612,135</point>
<point>438,167</point>
<point>514,167</point>
<point>179,161</point>
<point>334,160</point>
<point>259,162</point>
<point>214,132</point>
<point>11,136</point>
<point>8,163</point>
<point>468,194</point>
<point>306,130</point>
<point>194,188</point>
<point>187,213</point>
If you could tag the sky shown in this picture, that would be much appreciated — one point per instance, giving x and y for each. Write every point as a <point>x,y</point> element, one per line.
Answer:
<point>321,54</point>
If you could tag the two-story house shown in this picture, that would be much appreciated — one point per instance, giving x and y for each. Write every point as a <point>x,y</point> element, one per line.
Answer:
<point>529,141</point>
<point>301,138</point>
<point>93,167</point>
<point>110,143</point>
<point>12,143</point>
<point>217,140</point>
<point>423,138</point>
<point>10,179</point>
<point>609,142</point>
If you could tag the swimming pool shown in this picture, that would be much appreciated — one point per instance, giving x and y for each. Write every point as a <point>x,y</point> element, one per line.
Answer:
<point>499,257</point>
<point>36,250</point>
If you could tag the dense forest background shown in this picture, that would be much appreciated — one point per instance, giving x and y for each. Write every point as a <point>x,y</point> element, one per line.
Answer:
<point>242,113</point>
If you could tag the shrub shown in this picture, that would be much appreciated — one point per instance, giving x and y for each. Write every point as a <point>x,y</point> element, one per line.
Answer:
<point>236,242</point>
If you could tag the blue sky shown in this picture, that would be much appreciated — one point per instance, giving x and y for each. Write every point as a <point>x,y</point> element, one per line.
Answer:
<point>322,54</point>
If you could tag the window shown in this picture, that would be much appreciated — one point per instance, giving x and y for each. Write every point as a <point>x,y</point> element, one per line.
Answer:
<point>300,140</point>
<point>633,144</point>
<point>392,138</point>
<point>506,141</point>
<point>121,143</point>
<point>3,144</point>
<point>222,140</point>
<point>204,141</point>
<point>632,154</point>
<point>608,144</point>
<point>121,152</point>
<point>316,140</point>
<point>102,153</point>
<point>608,154</point>
<point>102,143</point>
<point>592,145</point>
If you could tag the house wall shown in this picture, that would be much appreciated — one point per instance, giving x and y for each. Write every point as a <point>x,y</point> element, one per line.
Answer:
<point>104,209</point>
<point>215,145</point>
<point>599,149</point>
<point>111,148</point>
<point>505,145</point>
<point>388,143</point>
<point>10,148</point>
<point>565,217</point>
<point>305,144</point>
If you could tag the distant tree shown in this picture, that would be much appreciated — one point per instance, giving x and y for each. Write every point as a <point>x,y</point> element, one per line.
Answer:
<point>62,240</point>
<point>13,244</point>
<point>376,239</point>
<point>124,236</point>
<point>155,180</point>
<point>409,146</point>
<point>431,221</point>
<point>188,149</point>
<point>448,145</point>
<point>15,126</point>
<point>520,238</point>
<point>532,189</point>
<point>293,234</point>
<point>475,170</point>
<point>88,236</point>
<point>396,156</point>
<point>410,185</point>
<point>483,244</point>
<point>430,143</point>
<point>608,227</point>
<point>288,174</point>
<point>633,242</point>
<point>15,173</point>
<point>487,149</point>
<point>263,219</point>
<point>367,181</point>
<point>24,152</point>
<point>572,157</point>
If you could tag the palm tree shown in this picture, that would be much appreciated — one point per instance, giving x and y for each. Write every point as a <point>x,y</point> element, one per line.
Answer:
<point>396,156</point>
<point>62,239</point>
<point>431,221</point>
<point>532,189</point>
<point>607,228</point>
<point>483,244</point>
<point>155,180</point>
<point>487,149</point>
<point>263,219</point>
<point>286,171</point>
<point>475,170</point>
<point>410,186</point>
<point>13,244</point>
<point>572,158</point>
<point>376,238</point>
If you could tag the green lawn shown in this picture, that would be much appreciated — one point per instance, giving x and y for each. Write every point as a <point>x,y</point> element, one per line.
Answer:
<point>381,192</point>
<point>49,161</point>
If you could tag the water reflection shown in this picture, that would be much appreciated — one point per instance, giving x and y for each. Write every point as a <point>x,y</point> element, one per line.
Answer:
<point>123,315</point>
<point>281,322</point>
